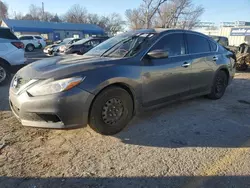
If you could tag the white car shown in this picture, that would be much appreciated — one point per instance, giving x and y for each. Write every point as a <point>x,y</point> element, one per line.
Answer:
<point>11,54</point>
<point>41,41</point>
<point>30,42</point>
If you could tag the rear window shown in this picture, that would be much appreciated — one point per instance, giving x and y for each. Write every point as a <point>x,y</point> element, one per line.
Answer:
<point>37,37</point>
<point>213,46</point>
<point>7,34</point>
<point>26,38</point>
<point>197,44</point>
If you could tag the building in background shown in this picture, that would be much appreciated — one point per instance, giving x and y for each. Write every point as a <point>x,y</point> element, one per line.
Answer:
<point>237,32</point>
<point>52,30</point>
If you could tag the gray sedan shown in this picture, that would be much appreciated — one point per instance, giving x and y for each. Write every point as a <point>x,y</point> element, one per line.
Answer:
<point>115,80</point>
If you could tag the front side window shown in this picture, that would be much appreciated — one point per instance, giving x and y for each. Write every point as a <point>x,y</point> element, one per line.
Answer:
<point>172,43</point>
<point>197,44</point>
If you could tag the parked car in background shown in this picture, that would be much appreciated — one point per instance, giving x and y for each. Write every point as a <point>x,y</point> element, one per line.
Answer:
<point>11,54</point>
<point>221,40</point>
<point>113,81</point>
<point>30,42</point>
<point>54,49</point>
<point>41,41</point>
<point>82,46</point>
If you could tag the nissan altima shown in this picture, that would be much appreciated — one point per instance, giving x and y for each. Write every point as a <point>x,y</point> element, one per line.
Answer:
<point>115,80</point>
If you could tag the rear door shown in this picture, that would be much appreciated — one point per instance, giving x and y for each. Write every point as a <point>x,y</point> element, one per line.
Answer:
<point>166,79</point>
<point>203,61</point>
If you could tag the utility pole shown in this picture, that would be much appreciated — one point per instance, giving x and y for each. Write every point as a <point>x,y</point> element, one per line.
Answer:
<point>43,10</point>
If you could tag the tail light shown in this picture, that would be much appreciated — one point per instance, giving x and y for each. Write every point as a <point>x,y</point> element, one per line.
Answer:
<point>19,45</point>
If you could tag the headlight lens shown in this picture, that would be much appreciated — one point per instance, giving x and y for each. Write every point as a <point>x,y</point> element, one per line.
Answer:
<point>48,87</point>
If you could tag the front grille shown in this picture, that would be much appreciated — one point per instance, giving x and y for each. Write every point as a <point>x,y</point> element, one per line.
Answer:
<point>49,118</point>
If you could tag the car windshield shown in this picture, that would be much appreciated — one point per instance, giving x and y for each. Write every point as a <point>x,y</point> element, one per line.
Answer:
<point>121,45</point>
<point>65,41</point>
<point>81,41</point>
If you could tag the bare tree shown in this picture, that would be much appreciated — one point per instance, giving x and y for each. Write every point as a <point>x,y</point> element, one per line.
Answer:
<point>56,18</point>
<point>76,14</point>
<point>111,23</point>
<point>135,18</point>
<point>179,14</point>
<point>3,10</point>
<point>144,14</point>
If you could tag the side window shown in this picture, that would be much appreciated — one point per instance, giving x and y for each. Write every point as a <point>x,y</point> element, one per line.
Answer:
<point>197,44</point>
<point>213,46</point>
<point>87,44</point>
<point>7,34</point>
<point>26,38</point>
<point>172,43</point>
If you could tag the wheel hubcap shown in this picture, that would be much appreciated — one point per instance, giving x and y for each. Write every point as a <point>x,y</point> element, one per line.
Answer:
<point>30,48</point>
<point>2,74</point>
<point>220,85</point>
<point>112,111</point>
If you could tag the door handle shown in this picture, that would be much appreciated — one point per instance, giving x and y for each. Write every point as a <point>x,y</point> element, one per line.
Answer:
<point>186,64</point>
<point>215,58</point>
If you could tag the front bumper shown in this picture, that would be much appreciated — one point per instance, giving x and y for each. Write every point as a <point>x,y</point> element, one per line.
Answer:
<point>69,109</point>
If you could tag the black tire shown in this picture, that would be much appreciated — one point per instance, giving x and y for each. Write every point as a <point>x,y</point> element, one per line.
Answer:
<point>100,111</point>
<point>30,48</point>
<point>4,71</point>
<point>219,85</point>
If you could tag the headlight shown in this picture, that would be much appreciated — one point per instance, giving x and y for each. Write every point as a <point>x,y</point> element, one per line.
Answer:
<point>48,87</point>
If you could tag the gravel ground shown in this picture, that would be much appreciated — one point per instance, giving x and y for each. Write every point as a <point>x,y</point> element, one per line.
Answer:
<point>195,143</point>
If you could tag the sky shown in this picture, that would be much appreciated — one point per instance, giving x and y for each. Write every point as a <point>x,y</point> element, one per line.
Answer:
<point>215,10</point>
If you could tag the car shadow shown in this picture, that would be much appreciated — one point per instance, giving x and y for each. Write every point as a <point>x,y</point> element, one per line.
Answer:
<point>4,97</point>
<point>128,182</point>
<point>198,122</point>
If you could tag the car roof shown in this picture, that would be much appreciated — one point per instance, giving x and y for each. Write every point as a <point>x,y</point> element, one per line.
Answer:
<point>162,31</point>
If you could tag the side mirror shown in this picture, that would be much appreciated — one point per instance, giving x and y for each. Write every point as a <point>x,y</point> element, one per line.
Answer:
<point>158,54</point>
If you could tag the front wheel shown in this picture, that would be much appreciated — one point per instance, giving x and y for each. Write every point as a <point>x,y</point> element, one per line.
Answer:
<point>219,85</point>
<point>111,111</point>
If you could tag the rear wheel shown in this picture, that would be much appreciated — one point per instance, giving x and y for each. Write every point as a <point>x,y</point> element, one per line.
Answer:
<point>30,48</point>
<point>4,74</point>
<point>219,85</point>
<point>111,111</point>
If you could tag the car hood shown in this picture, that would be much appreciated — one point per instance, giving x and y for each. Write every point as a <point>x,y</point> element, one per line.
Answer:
<point>62,66</point>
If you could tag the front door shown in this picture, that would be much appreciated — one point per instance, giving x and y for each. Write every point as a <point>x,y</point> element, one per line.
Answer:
<point>167,78</point>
